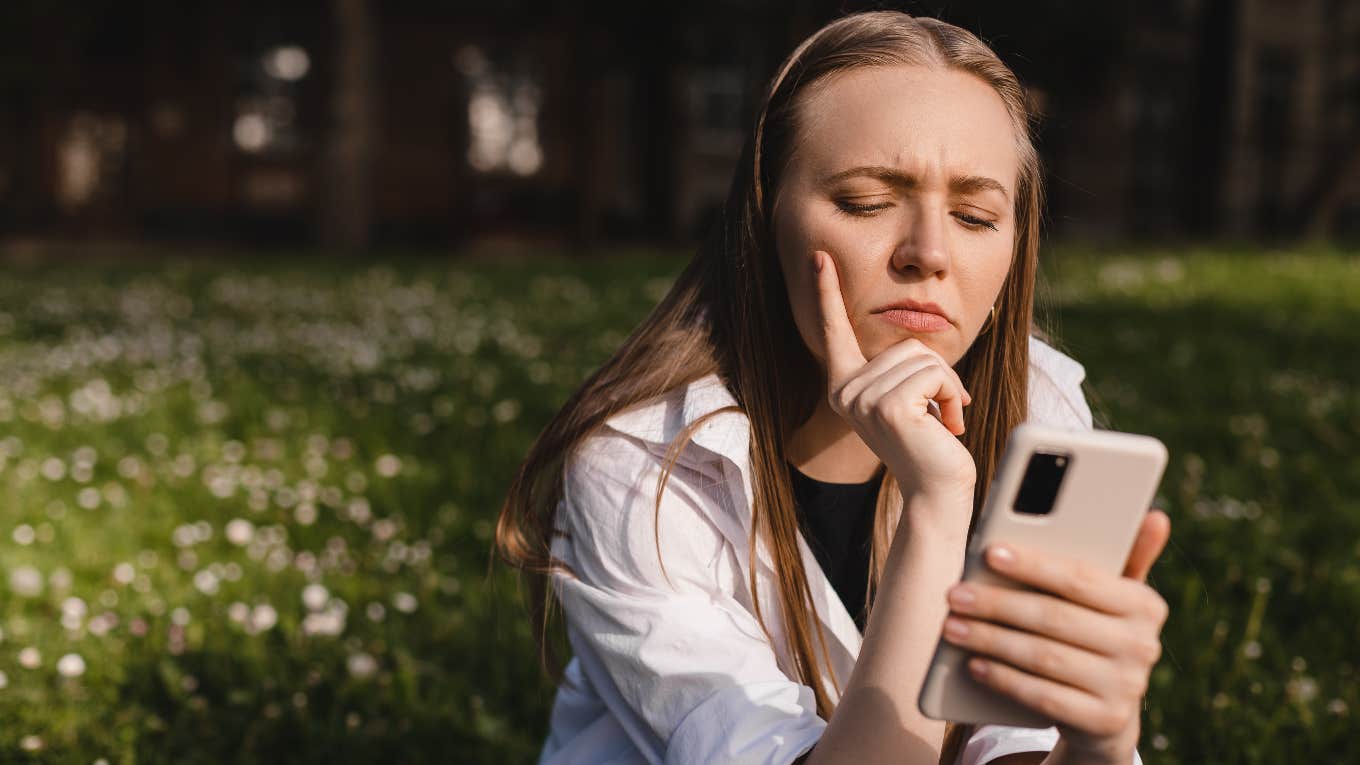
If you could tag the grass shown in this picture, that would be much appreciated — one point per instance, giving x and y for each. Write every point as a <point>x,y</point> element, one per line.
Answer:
<point>248,504</point>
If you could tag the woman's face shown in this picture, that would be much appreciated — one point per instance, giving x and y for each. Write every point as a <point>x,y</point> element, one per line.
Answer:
<point>906,177</point>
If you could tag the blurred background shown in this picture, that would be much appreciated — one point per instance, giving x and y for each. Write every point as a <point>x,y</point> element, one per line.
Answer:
<point>431,123</point>
<point>273,340</point>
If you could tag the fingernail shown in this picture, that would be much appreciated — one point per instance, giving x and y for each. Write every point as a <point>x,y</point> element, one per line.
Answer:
<point>955,628</point>
<point>962,595</point>
<point>1001,554</point>
<point>817,262</point>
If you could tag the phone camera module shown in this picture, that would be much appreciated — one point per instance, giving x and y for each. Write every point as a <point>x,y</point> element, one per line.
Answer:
<point>1039,489</point>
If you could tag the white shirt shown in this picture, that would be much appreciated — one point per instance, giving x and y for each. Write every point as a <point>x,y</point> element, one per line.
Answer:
<point>674,667</point>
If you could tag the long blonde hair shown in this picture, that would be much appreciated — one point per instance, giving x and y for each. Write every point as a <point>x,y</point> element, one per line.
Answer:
<point>728,313</point>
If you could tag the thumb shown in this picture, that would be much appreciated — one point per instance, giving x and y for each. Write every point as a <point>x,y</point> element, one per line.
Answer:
<point>1152,538</point>
<point>843,354</point>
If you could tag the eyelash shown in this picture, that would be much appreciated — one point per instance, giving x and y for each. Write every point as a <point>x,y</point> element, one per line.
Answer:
<point>866,211</point>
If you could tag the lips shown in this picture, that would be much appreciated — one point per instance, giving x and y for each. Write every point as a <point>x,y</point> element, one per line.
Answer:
<point>916,321</point>
<point>915,315</point>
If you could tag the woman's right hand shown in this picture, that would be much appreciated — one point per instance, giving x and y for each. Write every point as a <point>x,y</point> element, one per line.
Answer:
<point>887,402</point>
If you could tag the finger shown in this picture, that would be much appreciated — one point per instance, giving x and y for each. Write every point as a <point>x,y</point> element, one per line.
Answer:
<point>898,354</point>
<point>1038,655</point>
<point>891,380</point>
<point>1152,539</point>
<point>1067,577</point>
<point>843,354</point>
<point>888,381</point>
<point>1063,704</point>
<point>1041,614</point>
<point>930,383</point>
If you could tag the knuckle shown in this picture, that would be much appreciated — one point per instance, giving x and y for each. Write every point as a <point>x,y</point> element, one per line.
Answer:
<point>893,407</point>
<point>841,400</point>
<point>1113,719</point>
<point>1048,705</point>
<point>1148,650</point>
<point>862,409</point>
<point>1079,573</point>
<point>1135,682</point>
<point>1047,660</point>
<point>1157,608</point>
<point>986,602</point>
<point>1054,617</point>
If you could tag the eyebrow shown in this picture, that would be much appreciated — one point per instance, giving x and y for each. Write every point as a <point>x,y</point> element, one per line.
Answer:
<point>962,184</point>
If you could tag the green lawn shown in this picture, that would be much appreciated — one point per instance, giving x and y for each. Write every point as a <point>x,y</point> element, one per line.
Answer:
<point>248,503</point>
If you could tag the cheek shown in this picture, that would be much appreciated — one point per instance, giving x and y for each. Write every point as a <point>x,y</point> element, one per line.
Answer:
<point>800,231</point>
<point>984,278</point>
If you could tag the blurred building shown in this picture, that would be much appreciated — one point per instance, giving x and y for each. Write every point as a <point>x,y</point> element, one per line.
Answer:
<point>437,122</point>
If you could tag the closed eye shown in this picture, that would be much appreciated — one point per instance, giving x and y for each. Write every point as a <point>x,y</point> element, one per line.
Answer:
<point>974,222</point>
<point>971,222</point>
<point>861,210</point>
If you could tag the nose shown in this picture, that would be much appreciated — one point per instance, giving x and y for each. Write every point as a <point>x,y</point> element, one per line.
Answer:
<point>923,246</point>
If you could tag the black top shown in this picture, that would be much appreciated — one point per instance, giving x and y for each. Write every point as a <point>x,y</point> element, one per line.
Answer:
<point>837,521</point>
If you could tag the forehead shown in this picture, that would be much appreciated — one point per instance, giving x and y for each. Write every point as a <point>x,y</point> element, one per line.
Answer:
<point>919,119</point>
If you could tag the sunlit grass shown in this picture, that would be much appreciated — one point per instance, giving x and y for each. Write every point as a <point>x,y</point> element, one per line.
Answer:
<point>248,504</point>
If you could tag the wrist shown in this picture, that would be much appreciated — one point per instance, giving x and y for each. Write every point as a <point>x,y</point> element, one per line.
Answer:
<point>1070,751</point>
<point>941,516</point>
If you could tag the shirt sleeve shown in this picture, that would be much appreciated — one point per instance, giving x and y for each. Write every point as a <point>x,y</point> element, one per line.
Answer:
<point>684,665</point>
<point>992,742</point>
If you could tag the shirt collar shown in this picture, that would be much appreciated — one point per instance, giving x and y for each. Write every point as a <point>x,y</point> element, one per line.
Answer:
<point>726,435</point>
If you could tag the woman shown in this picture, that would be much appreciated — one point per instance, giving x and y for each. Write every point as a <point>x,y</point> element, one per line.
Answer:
<point>858,330</point>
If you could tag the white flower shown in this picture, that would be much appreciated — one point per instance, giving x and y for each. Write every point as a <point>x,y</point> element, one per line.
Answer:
<point>53,469</point>
<point>404,602</point>
<point>26,581</point>
<point>23,534</point>
<point>384,529</point>
<point>30,658</point>
<point>4,680</point>
<point>388,465</point>
<point>74,606</point>
<point>205,581</point>
<point>315,596</point>
<point>238,612</point>
<point>184,535</point>
<point>240,531</point>
<point>362,665</point>
<point>328,622</point>
<point>88,498</point>
<point>73,612</point>
<point>60,578</point>
<point>71,665</point>
<point>359,510</point>
<point>30,743</point>
<point>101,624</point>
<point>263,617</point>
<point>124,573</point>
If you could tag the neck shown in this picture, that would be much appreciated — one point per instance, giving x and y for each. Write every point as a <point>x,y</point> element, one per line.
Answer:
<point>825,448</point>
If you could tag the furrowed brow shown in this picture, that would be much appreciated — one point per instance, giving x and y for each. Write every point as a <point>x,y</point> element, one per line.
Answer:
<point>877,172</point>
<point>966,184</point>
<point>972,184</point>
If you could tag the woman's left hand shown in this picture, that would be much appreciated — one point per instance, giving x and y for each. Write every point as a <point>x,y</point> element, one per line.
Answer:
<point>1079,652</point>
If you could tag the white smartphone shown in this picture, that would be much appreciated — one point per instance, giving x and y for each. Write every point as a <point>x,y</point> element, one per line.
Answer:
<point>1076,493</point>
